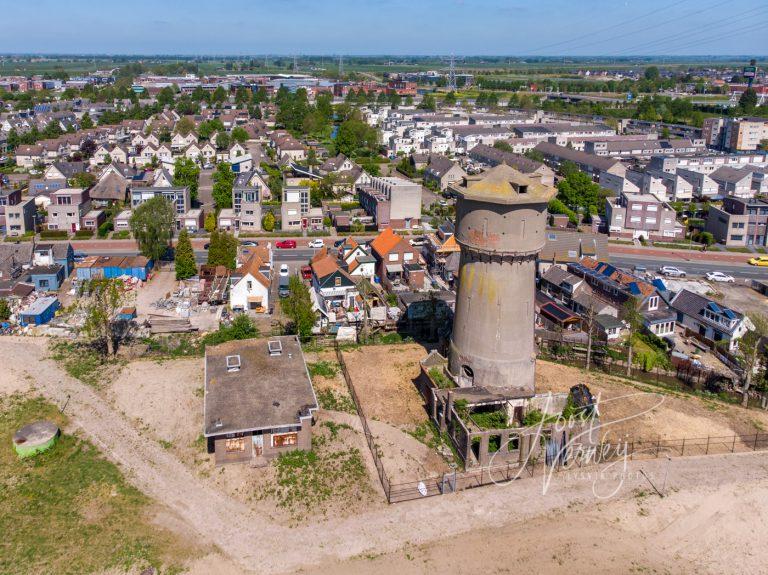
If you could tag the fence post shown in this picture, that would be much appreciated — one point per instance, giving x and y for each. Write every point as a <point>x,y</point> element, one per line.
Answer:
<point>682,449</point>
<point>754,447</point>
<point>658,446</point>
<point>706,452</point>
<point>733,447</point>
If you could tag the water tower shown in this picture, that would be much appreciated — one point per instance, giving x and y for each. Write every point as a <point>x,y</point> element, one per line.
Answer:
<point>500,226</point>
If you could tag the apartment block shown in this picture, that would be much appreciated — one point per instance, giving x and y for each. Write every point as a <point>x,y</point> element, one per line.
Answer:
<point>739,222</point>
<point>392,202</point>
<point>641,216</point>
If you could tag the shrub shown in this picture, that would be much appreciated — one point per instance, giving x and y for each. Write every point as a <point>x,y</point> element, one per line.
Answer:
<point>54,234</point>
<point>81,234</point>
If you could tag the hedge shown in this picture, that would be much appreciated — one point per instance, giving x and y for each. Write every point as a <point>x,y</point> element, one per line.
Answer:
<point>54,234</point>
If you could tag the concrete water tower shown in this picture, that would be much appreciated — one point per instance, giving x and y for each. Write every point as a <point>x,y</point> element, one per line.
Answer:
<point>500,226</point>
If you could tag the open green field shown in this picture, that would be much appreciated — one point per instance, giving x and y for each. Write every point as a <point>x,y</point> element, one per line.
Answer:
<point>69,510</point>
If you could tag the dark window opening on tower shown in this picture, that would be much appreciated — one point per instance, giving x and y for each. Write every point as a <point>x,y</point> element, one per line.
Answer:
<point>468,373</point>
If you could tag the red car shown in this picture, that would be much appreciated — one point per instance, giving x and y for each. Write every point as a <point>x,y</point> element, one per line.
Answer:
<point>306,272</point>
<point>286,244</point>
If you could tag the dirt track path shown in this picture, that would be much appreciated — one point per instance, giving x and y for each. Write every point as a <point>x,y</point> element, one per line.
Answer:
<point>257,544</point>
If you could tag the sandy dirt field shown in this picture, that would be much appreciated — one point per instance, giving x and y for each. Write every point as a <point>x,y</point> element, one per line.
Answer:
<point>640,411</point>
<point>711,503</point>
<point>383,378</point>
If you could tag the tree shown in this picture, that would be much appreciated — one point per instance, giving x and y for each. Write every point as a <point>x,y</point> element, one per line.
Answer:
<point>83,180</point>
<point>222,250</point>
<point>751,346</point>
<point>706,238</point>
<point>651,73</point>
<point>577,190</point>
<point>210,222</point>
<point>428,103</point>
<point>219,96</point>
<point>748,100</point>
<point>186,173</point>
<point>86,123</point>
<point>503,146</point>
<point>223,180</point>
<point>185,126</point>
<point>165,96</point>
<point>206,129</point>
<point>239,134</point>
<point>5,310</point>
<point>355,135</point>
<point>634,320</point>
<point>184,257</point>
<point>222,140</point>
<point>101,301</point>
<point>450,98</point>
<point>298,308</point>
<point>152,224</point>
<point>268,222</point>
<point>534,154</point>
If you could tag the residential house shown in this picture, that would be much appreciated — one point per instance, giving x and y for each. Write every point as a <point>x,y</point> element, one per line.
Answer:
<point>64,170</point>
<point>296,212</point>
<point>248,191</point>
<point>49,254</point>
<point>28,156</point>
<point>733,182</point>
<point>178,196</point>
<point>7,198</point>
<point>258,400</point>
<point>392,202</point>
<point>591,164</point>
<point>46,278</point>
<point>334,288</point>
<point>710,320</point>
<point>67,208</point>
<point>180,141</point>
<point>112,186</point>
<point>20,218</point>
<point>249,285</point>
<point>393,253</point>
<point>443,171</point>
<point>617,287</point>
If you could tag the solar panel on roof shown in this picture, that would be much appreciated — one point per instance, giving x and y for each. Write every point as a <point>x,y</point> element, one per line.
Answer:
<point>634,290</point>
<point>659,284</point>
<point>714,307</point>
<point>555,311</point>
<point>729,314</point>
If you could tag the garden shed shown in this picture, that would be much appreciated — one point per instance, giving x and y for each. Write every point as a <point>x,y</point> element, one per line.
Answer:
<point>94,267</point>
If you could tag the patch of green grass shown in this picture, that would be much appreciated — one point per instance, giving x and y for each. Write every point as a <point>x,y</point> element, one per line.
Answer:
<point>174,346</point>
<point>326,369</point>
<point>81,361</point>
<point>441,380</point>
<point>308,481</point>
<point>334,427</point>
<point>761,250</point>
<point>69,510</point>
<point>333,400</point>
<point>738,249</point>
<point>121,235</point>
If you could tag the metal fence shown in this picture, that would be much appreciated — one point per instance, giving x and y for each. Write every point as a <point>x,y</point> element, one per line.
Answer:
<point>366,429</point>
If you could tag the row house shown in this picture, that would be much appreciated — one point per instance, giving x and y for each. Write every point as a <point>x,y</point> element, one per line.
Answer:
<point>248,191</point>
<point>739,222</point>
<point>392,202</point>
<point>711,321</point>
<point>178,196</point>
<point>182,141</point>
<point>618,287</point>
<point>493,157</point>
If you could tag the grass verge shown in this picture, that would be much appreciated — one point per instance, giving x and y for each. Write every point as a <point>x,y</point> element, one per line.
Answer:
<point>69,510</point>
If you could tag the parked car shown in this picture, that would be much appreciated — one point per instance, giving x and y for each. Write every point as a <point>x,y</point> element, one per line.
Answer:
<point>283,289</point>
<point>720,277</point>
<point>249,243</point>
<point>285,244</point>
<point>671,271</point>
<point>416,242</point>
<point>759,261</point>
<point>284,270</point>
<point>306,272</point>
<point>316,243</point>
<point>640,270</point>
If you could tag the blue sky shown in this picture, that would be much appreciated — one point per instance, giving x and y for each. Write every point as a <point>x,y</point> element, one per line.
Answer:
<point>511,27</point>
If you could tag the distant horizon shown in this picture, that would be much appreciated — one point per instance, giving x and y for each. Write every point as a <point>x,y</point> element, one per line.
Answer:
<point>556,28</point>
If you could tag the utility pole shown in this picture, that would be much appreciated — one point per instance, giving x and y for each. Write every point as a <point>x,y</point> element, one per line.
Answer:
<point>452,73</point>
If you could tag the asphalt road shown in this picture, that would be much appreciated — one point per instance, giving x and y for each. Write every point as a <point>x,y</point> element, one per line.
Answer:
<point>691,268</point>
